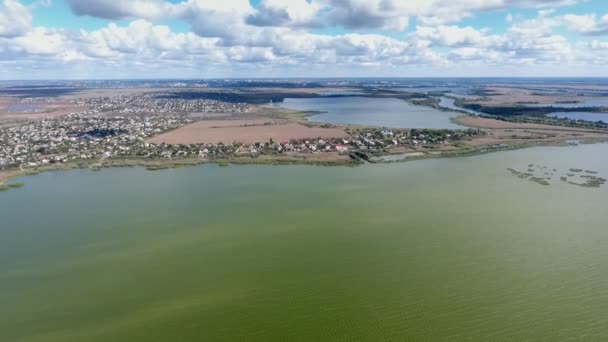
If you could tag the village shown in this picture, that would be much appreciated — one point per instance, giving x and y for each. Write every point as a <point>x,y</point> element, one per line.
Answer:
<point>161,103</point>
<point>93,135</point>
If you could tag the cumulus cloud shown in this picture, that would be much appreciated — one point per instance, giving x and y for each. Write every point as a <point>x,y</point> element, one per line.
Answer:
<point>220,19</point>
<point>389,15</point>
<point>452,36</point>
<point>394,15</point>
<point>294,13</point>
<point>279,35</point>
<point>111,9</point>
<point>587,24</point>
<point>15,19</point>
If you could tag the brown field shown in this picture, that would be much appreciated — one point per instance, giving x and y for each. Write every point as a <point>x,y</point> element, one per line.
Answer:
<point>46,110</point>
<point>50,111</point>
<point>558,86</point>
<point>533,137</point>
<point>244,131</point>
<point>6,175</point>
<point>516,96</point>
<point>5,101</point>
<point>107,92</point>
<point>501,132</point>
<point>110,92</point>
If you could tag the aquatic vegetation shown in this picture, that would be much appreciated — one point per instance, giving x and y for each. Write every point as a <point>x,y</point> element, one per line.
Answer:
<point>537,174</point>
<point>540,181</point>
<point>591,182</point>
<point>519,173</point>
<point>16,185</point>
<point>6,187</point>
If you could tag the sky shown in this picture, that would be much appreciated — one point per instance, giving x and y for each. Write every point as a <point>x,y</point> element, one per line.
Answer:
<point>110,39</point>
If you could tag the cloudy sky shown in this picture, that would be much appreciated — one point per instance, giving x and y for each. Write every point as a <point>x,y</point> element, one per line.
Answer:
<point>82,39</point>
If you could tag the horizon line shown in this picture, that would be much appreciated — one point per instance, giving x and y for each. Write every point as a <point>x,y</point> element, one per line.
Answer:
<point>303,78</point>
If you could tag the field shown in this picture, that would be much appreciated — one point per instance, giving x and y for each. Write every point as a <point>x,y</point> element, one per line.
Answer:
<point>511,96</point>
<point>43,110</point>
<point>244,131</point>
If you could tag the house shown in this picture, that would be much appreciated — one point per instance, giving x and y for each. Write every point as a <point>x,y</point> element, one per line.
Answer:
<point>341,148</point>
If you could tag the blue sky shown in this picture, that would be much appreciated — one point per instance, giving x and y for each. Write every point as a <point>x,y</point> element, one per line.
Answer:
<point>43,39</point>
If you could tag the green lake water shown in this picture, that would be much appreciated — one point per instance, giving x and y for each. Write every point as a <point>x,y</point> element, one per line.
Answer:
<point>433,250</point>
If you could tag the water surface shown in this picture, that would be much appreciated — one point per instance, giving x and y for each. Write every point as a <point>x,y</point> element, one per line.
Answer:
<point>450,103</point>
<point>23,107</point>
<point>382,112</point>
<point>444,250</point>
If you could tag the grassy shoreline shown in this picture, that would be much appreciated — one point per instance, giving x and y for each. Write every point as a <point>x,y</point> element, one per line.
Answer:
<point>157,165</point>
<point>301,117</point>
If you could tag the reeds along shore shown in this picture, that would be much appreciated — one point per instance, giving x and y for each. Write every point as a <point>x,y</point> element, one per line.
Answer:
<point>157,165</point>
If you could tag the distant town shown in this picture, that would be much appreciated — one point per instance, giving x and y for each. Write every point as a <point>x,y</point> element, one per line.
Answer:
<point>91,135</point>
<point>77,123</point>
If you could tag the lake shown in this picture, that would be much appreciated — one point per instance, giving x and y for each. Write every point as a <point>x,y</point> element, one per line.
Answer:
<point>23,107</point>
<point>382,112</point>
<point>452,249</point>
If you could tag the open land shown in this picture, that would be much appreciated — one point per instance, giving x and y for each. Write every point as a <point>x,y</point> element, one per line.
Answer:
<point>165,127</point>
<point>244,131</point>
<point>501,96</point>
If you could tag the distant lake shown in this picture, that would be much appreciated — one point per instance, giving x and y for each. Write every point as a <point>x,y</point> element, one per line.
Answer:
<point>23,107</point>
<point>340,93</point>
<point>382,112</point>
<point>581,116</point>
<point>454,249</point>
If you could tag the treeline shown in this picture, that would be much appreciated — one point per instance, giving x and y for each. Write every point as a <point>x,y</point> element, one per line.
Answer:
<point>526,111</point>
<point>550,121</point>
<point>236,97</point>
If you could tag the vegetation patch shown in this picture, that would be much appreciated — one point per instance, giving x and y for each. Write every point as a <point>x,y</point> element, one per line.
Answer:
<point>6,187</point>
<point>541,174</point>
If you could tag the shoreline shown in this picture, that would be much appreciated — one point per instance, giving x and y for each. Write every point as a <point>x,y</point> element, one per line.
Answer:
<point>7,176</point>
<point>501,136</point>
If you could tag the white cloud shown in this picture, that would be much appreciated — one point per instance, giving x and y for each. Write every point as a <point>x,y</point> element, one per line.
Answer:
<point>587,24</point>
<point>112,9</point>
<point>219,18</point>
<point>41,41</point>
<point>15,19</point>
<point>394,15</point>
<point>278,35</point>
<point>294,13</point>
<point>456,36</point>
